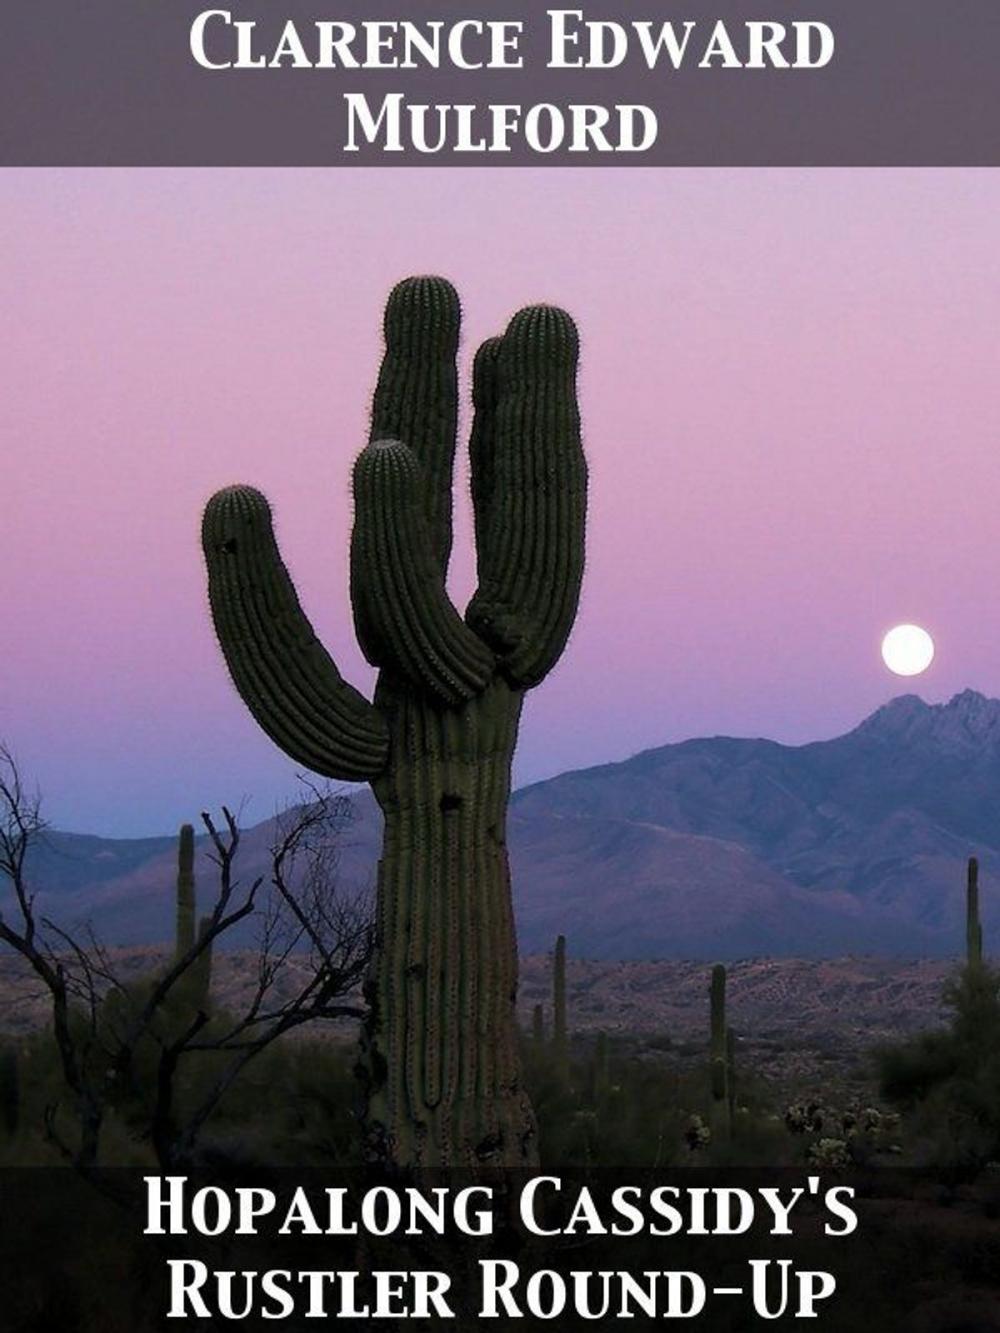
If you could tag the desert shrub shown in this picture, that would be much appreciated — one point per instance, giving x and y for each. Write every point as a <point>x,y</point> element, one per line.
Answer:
<point>295,1103</point>
<point>302,1099</point>
<point>660,1041</point>
<point>632,1116</point>
<point>948,1081</point>
<point>910,1071</point>
<point>10,1091</point>
<point>646,1111</point>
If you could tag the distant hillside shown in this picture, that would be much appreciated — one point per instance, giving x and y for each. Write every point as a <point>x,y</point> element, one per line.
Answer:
<point>791,1015</point>
<point>710,848</point>
<point>870,831</point>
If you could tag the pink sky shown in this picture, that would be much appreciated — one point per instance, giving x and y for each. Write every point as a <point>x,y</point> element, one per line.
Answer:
<point>792,415</point>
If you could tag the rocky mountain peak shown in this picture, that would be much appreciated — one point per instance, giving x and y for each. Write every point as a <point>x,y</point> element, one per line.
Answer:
<point>974,707</point>
<point>896,718</point>
<point>968,720</point>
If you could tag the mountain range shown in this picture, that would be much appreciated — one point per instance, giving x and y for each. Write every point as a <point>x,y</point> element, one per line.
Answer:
<point>711,848</point>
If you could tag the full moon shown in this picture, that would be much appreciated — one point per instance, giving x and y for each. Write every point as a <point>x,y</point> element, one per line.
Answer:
<point>907,650</point>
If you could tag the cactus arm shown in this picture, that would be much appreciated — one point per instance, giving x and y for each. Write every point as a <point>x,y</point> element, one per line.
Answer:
<point>402,614</point>
<point>482,441</point>
<point>530,492</point>
<point>416,399</point>
<point>285,675</point>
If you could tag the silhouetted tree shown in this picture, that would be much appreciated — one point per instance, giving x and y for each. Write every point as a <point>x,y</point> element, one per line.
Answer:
<point>123,1044</point>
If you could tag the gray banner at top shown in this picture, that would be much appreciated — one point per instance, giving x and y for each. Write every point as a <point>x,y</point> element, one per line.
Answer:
<point>772,83</point>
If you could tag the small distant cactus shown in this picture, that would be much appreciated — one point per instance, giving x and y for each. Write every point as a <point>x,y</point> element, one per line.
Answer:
<point>973,926</point>
<point>805,1118</point>
<point>834,1154</point>
<point>560,1031</point>
<point>835,1136</point>
<point>697,1133</point>
<point>197,983</point>
<point>184,937</point>
<point>721,1110</point>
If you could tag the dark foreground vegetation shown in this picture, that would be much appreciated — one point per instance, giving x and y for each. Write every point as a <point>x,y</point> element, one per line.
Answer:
<point>926,1255</point>
<point>933,1102</point>
<point>155,1072</point>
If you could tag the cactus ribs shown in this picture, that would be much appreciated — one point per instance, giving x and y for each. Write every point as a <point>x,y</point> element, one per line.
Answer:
<point>440,1044</point>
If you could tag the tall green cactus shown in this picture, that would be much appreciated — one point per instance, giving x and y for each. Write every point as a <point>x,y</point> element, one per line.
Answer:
<point>184,939</point>
<point>720,1107</point>
<point>198,981</point>
<point>440,1047</point>
<point>973,926</point>
<point>560,1030</point>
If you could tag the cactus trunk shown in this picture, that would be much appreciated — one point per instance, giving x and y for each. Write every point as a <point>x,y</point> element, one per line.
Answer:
<point>973,926</point>
<point>440,1052</point>
<point>447,978</point>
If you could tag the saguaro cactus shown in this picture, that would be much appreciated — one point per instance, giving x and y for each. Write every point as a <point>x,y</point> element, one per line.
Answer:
<point>440,1047</point>
<point>185,891</point>
<point>197,981</point>
<point>973,926</point>
<point>719,1058</point>
<point>560,1031</point>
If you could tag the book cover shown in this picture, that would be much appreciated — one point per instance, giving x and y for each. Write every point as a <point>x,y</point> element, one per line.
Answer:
<point>500,718</point>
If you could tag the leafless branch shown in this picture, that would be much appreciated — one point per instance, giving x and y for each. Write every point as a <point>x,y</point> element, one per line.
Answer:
<point>303,915</point>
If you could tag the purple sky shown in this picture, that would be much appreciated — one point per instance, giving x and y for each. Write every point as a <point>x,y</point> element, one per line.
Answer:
<point>791,406</point>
